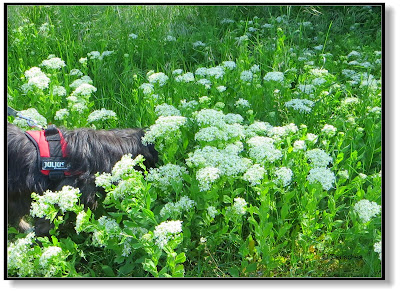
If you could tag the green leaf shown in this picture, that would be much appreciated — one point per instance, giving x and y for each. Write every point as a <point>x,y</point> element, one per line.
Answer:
<point>149,266</point>
<point>180,258</point>
<point>234,271</point>
<point>227,199</point>
<point>108,271</point>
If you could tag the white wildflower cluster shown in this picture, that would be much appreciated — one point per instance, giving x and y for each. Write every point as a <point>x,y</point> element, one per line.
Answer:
<point>65,199</point>
<point>46,260</point>
<point>18,255</point>
<point>53,63</point>
<point>110,226</point>
<point>124,167</point>
<point>215,72</point>
<point>84,89</point>
<point>239,206</point>
<point>318,81</point>
<point>164,175</point>
<point>274,76</point>
<point>378,249</point>
<point>61,114</point>
<point>319,72</point>
<point>322,175</point>
<point>189,105</point>
<point>283,176</point>
<point>147,88</point>
<point>328,129</point>
<point>83,80</point>
<point>205,82</point>
<point>185,204</point>
<point>170,38</point>
<point>226,160</point>
<point>229,64</point>
<point>263,149</point>
<point>212,211</point>
<point>254,174</point>
<point>199,44</point>
<point>157,78</point>
<point>279,132</point>
<point>186,78</point>
<point>246,76</point>
<point>166,110</point>
<point>221,89</point>
<point>318,158</point>
<point>367,209</point>
<point>242,103</point>
<point>166,231</point>
<point>59,91</point>
<point>76,72</point>
<point>97,55</point>
<point>218,126</point>
<point>301,105</point>
<point>350,101</point>
<point>206,176</point>
<point>81,219</point>
<point>257,128</point>
<point>306,88</point>
<point>133,36</point>
<point>101,115</point>
<point>36,79</point>
<point>299,145</point>
<point>312,137</point>
<point>241,39</point>
<point>165,127</point>
<point>33,114</point>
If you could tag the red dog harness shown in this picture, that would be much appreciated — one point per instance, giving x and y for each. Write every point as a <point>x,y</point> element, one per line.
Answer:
<point>52,152</point>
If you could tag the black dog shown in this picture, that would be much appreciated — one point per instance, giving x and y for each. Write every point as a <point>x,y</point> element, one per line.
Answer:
<point>89,152</point>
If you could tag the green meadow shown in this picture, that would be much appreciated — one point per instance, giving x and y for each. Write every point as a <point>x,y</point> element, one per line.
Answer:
<point>267,120</point>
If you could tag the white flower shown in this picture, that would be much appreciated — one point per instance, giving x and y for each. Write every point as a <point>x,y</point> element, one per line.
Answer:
<point>110,226</point>
<point>205,82</point>
<point>299,145</point>
<point>170,38</point>
<point>53,63</point>
<point>330,130</point>
<point>187,77</point>
<point>94,55</point>
<point>312,137</point>
<point>206,176</point>
<point>254,175</point>
<point>166,127</point>
<point>133,36</point>
<point>262,148</point>
<point>226,160</point>
<point>246,76</point>
<point>378,249</point>
<point>367,209</point>
<point>59,91</point>
<point>61,114</point>
<point>166,231</point>
<point>33,114</point>
<point>164,175</point>
<point>159,78</point>
<point>258,127</point>
<point>301,105</point>
<point>216,72</point>
<point>243,103</point>
<point>307,89</point>
<point>47,254</point>
<point>318,158</point>
<point>229,65</point>
<point>221,88</point>
<point>274,76</point>
<point>166,110</point>
<point>147,88</point>
<point>209,117</point>
<point>183,205</point>
<point>101,115</point>
<point>177,72</point>
<point>75,72</point>
<point>318,81</point>
<point>66,199</point>
<point>84,89</point>
<point>212,211</point>
<point>284,176</point>
<point>83,80</point>
<point>80,219</point>
<point>125,166</point>
<point>199,44</point>
<point>239,206</point>
<point>322,175</point>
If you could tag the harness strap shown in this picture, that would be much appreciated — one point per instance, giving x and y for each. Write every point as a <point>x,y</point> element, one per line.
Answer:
<point>52,152</point>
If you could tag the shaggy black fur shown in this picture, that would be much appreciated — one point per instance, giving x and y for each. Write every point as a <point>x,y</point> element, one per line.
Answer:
<point>89,151</point>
